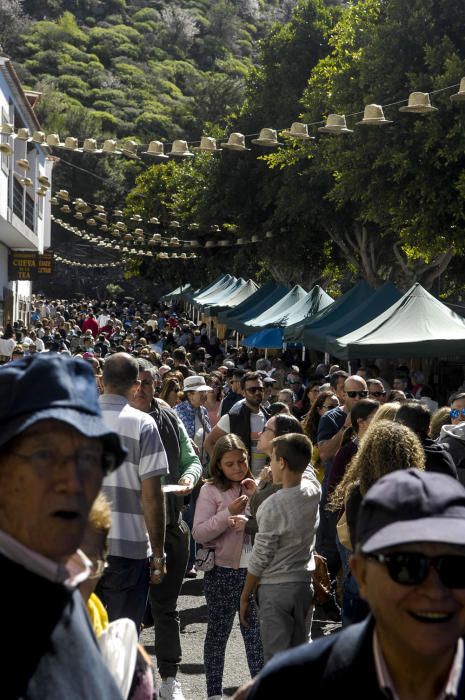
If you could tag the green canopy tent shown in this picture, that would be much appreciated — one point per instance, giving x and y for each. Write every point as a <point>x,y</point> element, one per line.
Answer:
<point>244,306</point>
<point>238,324</point>
<point>201,299</point>
<point>176,294</point>
<point>320,338</point>
<point>243,292</point>
<point>417,325</point>
<point>301,332</point>
<point>275,315</point>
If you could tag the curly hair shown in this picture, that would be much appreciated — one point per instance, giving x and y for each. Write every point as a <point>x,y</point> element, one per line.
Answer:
<point>386,447</point>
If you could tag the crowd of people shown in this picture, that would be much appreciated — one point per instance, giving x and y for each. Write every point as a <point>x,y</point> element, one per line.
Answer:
<point>211,458</point>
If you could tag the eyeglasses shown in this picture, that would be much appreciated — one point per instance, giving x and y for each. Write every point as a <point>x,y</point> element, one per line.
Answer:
<point>412,568</point>
<point>352,394</point>
<point>86,461</point>
<point>291,382</point>
<point>456,413</point>
<point>255,389</point>
<point>97,567</point>
<point>377,394</point>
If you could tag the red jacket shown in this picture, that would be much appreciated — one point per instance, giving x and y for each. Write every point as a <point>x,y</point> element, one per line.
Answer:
<point>92,324</point>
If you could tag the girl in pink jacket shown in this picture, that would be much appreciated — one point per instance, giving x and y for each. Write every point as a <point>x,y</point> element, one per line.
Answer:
<point>219,524</point>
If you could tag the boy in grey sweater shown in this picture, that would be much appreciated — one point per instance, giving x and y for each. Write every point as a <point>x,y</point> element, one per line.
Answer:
<point>282,557</point>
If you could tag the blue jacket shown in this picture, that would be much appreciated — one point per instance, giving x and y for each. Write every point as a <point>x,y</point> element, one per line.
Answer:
<point>186,413</point>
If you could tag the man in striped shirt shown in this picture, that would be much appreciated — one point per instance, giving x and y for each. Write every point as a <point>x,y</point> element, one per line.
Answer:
<point>136,540</point>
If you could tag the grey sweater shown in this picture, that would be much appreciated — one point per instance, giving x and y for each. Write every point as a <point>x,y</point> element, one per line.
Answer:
<point>287,524</point>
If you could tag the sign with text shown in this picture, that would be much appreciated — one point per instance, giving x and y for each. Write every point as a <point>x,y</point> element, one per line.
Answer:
<point>27,265</point>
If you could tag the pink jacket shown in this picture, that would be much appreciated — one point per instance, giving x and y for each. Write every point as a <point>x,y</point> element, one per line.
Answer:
<point>211,528</point>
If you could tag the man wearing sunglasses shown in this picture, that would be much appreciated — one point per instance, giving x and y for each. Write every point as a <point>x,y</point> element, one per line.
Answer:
<point>247,419</point>
<point>376,390</point>
<point>409,563</point>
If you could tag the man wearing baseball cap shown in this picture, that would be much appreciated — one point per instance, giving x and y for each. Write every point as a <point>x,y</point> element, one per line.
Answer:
<point>409,564</point>
<point>54,452</point>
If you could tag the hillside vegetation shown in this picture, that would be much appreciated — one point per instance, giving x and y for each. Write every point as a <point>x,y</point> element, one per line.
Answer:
<point>150,69</point>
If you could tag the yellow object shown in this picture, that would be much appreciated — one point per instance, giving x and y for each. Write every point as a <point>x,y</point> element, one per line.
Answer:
<point>98,615</point>
<point>317,464</point>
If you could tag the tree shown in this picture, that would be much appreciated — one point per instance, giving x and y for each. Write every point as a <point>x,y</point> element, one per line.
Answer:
<point>398,189</point>
<point>13,22</point>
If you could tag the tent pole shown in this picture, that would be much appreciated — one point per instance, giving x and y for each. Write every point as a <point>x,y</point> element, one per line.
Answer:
<point>266,353</point>
<point>303,353</point>
<point>237,340</point>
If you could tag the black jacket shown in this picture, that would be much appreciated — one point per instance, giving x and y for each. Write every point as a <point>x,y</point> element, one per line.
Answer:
<point>239,424</point>
<point>438,459</point>
<point>330,668</point>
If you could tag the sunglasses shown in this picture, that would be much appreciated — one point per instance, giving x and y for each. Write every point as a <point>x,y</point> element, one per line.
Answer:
<point>352,394</point>
<point>456,413</point>
<point>255,389</point>
<point>411,568</point>
<point>378,394</point>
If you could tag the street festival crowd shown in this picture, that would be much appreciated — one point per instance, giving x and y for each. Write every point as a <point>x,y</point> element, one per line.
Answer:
<point>138,450</point>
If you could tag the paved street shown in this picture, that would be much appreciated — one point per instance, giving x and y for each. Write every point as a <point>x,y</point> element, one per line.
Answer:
<point>193,613</point>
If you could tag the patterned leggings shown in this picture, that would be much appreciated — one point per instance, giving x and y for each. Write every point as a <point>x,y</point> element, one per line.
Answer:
<point>222,588</point>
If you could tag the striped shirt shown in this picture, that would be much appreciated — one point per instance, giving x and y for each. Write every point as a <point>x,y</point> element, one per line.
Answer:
<point>146,458</point>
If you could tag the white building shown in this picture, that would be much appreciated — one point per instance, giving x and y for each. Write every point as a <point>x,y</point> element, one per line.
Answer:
<point>24,199</point>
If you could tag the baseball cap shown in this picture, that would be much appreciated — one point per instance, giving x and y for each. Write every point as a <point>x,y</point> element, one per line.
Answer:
<point>411,505</point>
<point>48,385</point>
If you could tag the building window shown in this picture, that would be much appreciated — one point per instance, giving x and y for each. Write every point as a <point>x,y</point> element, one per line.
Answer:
<point>29,218</point>
<point>18,198</point>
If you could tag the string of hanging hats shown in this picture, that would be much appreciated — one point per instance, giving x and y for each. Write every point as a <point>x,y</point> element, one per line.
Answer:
<point>90,266</point>
<point>135,232</point>
<point>372,115</point>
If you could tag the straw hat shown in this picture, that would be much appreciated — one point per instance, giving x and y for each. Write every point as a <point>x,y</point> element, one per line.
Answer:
<point>71,144</point>
<point>207,145</point>
<point>241,241</point>
<point>91,222</point>
<point>130,150</point>
<point>268,138</point>
<point>193,227</point>
<point>63,194</point>
<point>183,256</point>
<point>99,208</point>
<point>102,217</point>
<point>120,225</point>
<point>224,243</point>
<point>214,228</point>
<point>298,131</point>
<point>79,215</point>
<point>23,134</point>
<point>90,146</point>
<point>6,149</point>
<point>210,244</point>
<point>419,103</point>
<point>27,182</point>
<point>194,244</point>
<point>174,241</point>
<point>118,212</point>
<point>174,224</point>
<point>39,137</point>
<point>109,147</point>
<point>41,192</point>
<point>373,116</point>
<point>335,124</point>
<point>460,95</point>
<point>153,220</point>
<point>23,163</point>
<point>269,234</point>
<point>256,239</point>
<point>180,149</point>
<point>65,209</point>
<point>236,142</point>
<point>7,129</point>
<point>156,150</point>
<point>53,140</point>
<point>44,181</point>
